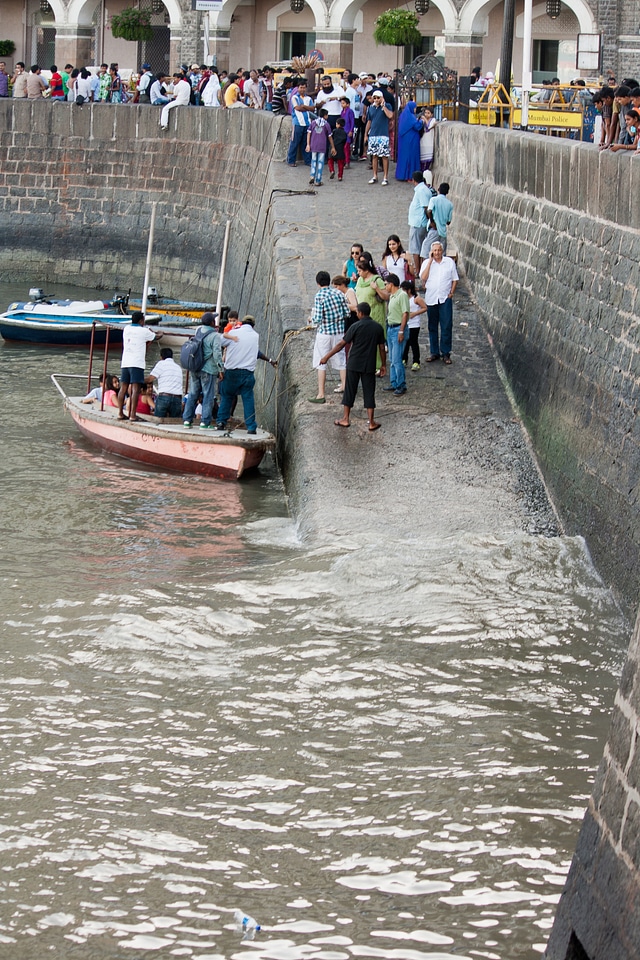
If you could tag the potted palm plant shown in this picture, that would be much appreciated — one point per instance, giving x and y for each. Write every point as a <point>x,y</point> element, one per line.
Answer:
<point>132,24</point>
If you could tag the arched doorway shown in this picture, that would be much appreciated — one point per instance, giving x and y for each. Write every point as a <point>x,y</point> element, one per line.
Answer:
<point>41,34</point>
<point>156,51</point>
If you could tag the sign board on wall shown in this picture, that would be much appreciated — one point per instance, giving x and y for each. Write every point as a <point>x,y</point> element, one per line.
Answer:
<point>211,6</point>
<point>588,54</point>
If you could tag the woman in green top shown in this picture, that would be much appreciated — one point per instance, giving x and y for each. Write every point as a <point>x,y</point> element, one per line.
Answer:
<point>371,289</point>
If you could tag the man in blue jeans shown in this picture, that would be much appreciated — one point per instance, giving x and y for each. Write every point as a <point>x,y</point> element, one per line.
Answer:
<point>238,377</point>
<point>397,319</point>
<point>203,383</point>
<point>301,108</point>
<point>440,279</point>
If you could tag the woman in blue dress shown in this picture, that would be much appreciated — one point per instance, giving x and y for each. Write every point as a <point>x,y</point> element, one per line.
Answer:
<point>409,130</point>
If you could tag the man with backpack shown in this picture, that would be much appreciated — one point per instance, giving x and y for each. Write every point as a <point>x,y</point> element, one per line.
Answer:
<point>202,357</point>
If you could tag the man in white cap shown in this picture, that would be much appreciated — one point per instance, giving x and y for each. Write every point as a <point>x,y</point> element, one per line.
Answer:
<point>376,135</point>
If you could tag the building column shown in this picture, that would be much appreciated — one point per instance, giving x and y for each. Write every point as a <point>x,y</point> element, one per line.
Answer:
<point>219,47</point>
<point>462,52</point>
<point>337,47</point>
<point>190,43</point>
<point>73,44</point>
<point>628,57</point>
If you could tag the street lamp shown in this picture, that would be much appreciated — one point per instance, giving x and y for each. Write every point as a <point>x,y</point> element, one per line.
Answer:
<point>422,7</point>
<point>297,5</point>
<point>554,8</point>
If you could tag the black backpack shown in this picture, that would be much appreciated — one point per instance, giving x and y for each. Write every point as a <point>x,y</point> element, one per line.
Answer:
<point>192,352</point>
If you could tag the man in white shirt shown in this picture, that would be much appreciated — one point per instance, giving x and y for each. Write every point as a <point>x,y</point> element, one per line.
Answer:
<point>329,97</point>
<point>238,378</point>
<point>251,91</point>
<point>182,98</point>
<point>440,279</point>
<point>134,348</point>
<point>158,98</point>
<point>169,376</point>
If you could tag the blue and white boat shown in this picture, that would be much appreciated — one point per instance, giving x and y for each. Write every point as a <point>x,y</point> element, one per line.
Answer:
<point>47,320</point>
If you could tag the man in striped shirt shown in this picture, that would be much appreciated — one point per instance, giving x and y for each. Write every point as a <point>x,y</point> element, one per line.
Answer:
<point>330,310</point>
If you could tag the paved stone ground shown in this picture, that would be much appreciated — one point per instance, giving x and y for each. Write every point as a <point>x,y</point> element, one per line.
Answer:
<point>452,442</point>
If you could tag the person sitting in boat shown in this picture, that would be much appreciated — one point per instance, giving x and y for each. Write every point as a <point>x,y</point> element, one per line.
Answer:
<point>111,387</point>
<point>96,393</point>
<point>169,385</point>
<point>146,401</point>
<point>134,348</point>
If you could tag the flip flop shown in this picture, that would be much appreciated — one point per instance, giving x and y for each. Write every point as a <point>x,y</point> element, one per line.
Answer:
<point>135,419</point>
<point>338,390</point>
<point>374,426</point>
<point>123,417</point>
<point>339,424</point>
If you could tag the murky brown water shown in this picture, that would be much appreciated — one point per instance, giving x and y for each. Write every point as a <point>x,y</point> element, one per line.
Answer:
<point>376,753</point>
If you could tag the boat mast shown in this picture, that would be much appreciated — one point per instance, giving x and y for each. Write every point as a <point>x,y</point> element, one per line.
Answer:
<point>147,269</point>
<point>225,247</point>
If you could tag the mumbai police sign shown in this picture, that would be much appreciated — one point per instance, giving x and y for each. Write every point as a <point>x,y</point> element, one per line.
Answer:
<point>211,6</point>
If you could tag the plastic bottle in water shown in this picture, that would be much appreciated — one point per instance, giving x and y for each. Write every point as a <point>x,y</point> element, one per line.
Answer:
<point>245,925</point>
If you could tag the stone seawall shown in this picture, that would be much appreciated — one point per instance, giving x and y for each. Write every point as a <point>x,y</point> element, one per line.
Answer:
<point>599,913</point>
<point>76,186</point>
<point>548,233</point>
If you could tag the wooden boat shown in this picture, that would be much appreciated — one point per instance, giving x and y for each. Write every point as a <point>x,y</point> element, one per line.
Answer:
<point>169,308</point>
<point>166,443</point>
<point>51,321</point>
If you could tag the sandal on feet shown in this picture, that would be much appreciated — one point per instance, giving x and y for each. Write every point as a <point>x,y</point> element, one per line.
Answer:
<point>373,426</point>
<point>338,390</point>
<point>339,423</point>
<point>123,417</point>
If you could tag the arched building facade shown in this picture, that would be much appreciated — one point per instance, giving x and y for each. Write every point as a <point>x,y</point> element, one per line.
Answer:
<point>465,33</point>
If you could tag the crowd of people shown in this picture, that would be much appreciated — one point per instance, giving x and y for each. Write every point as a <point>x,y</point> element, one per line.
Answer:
<point>345,118</point>
<point>370,315</point>
<point>619,116</point>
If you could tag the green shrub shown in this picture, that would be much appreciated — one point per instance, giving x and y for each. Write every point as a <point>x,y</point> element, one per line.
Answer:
<point>132,24</point>
<point>397,28</point>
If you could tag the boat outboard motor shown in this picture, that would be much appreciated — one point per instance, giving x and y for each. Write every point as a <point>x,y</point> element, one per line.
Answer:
<point>121,302</point>
<point>152,294</point>
<point>36,293</point>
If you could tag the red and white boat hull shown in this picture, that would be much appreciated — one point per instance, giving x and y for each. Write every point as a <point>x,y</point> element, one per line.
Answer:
<point>170,445</point>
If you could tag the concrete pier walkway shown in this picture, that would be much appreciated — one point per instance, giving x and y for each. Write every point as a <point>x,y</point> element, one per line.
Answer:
<point>451,455</point>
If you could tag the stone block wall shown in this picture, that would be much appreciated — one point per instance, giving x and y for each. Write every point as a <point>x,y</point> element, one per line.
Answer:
<point>599,912</point>
<point>548,234</point>
<point>77,183</point>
